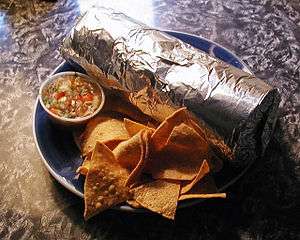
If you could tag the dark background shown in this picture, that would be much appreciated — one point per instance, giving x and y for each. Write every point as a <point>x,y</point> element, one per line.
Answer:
<point>262,205</point>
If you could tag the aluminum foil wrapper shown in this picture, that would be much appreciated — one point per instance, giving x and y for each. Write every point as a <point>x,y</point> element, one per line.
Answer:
<point>160,73</point>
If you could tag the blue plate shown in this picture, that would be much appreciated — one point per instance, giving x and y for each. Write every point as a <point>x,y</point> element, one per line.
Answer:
<point>61,155</point>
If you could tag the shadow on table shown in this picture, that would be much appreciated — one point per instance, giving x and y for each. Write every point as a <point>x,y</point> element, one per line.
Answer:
<point>262,205</point>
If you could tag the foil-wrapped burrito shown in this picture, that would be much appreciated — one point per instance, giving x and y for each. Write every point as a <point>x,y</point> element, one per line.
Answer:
<point>160,73</point>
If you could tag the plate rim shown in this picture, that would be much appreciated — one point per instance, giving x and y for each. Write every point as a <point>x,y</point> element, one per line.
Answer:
<point>245,66</point>
<point>56,176</point>
<point>64,182</point>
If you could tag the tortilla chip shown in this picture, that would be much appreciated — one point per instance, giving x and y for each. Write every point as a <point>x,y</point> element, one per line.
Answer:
<point>133,127</point>
<point>185,138</point>
<point>152,125</point>
<point>83,169</point>
<point>85,166</point>
<point>183,116</point>
<point>128,152</point>
<point>104,185</point>
<point>198,129</point>
<point>215,163</point>
<point>162,133</point>
<point>204,196</point>
<point>103,128</point>
<point>158,196</point>
<point>217,144</point>
<point>113,143</point>
<point>179,166</point>
<point>204,169</point>
<point>137,171</point>
<point>180,150</point>
<point>122,105</point>
<point>134,204</point>
<point>205,188</point>
<point>145,95</point>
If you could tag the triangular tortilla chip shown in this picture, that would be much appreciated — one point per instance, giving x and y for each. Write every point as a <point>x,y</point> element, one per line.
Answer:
<point>204,169</point>
<point>162,133</point>
<point>103,129</point>
<point>104,185</point>
<point>133,127</point>
<point>111,144</point>
<point>185,138</point>
<point>179,166</point>
<point>128,152</point>
<point>137,171</point>
<point>122,105</point>
<point>83,169</point>
<point>183,150</point>
<point>164,130</point>
<point>158,196</point>
<point>205,188</point>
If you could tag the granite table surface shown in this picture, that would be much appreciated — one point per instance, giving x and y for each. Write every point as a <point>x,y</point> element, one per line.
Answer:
<point>262,205</point>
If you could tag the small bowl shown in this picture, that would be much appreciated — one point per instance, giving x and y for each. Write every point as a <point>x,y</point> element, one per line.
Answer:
<point>70,121</point>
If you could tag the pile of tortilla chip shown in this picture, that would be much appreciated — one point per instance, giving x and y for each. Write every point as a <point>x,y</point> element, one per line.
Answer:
<point>146,165</point>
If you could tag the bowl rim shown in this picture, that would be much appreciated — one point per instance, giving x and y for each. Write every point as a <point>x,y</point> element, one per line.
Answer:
<point>86,77</point>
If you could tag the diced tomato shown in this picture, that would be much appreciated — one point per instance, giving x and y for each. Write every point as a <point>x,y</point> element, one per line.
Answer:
<point>81,110</point>
<point>54,110</point>
<point>88,97</point>
<point>59,95</point>
<point>68,102</point>
<point>79,97</point>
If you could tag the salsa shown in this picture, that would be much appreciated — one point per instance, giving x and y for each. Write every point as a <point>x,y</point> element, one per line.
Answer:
<point>71,97</point>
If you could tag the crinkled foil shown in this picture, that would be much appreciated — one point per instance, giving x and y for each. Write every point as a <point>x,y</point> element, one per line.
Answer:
<point>161,73</point>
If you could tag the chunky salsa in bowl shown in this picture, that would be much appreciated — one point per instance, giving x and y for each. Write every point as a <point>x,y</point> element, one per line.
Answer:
<point>71,97</point>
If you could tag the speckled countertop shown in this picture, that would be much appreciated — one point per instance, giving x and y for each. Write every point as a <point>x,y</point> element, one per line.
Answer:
<point>265,34</point>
